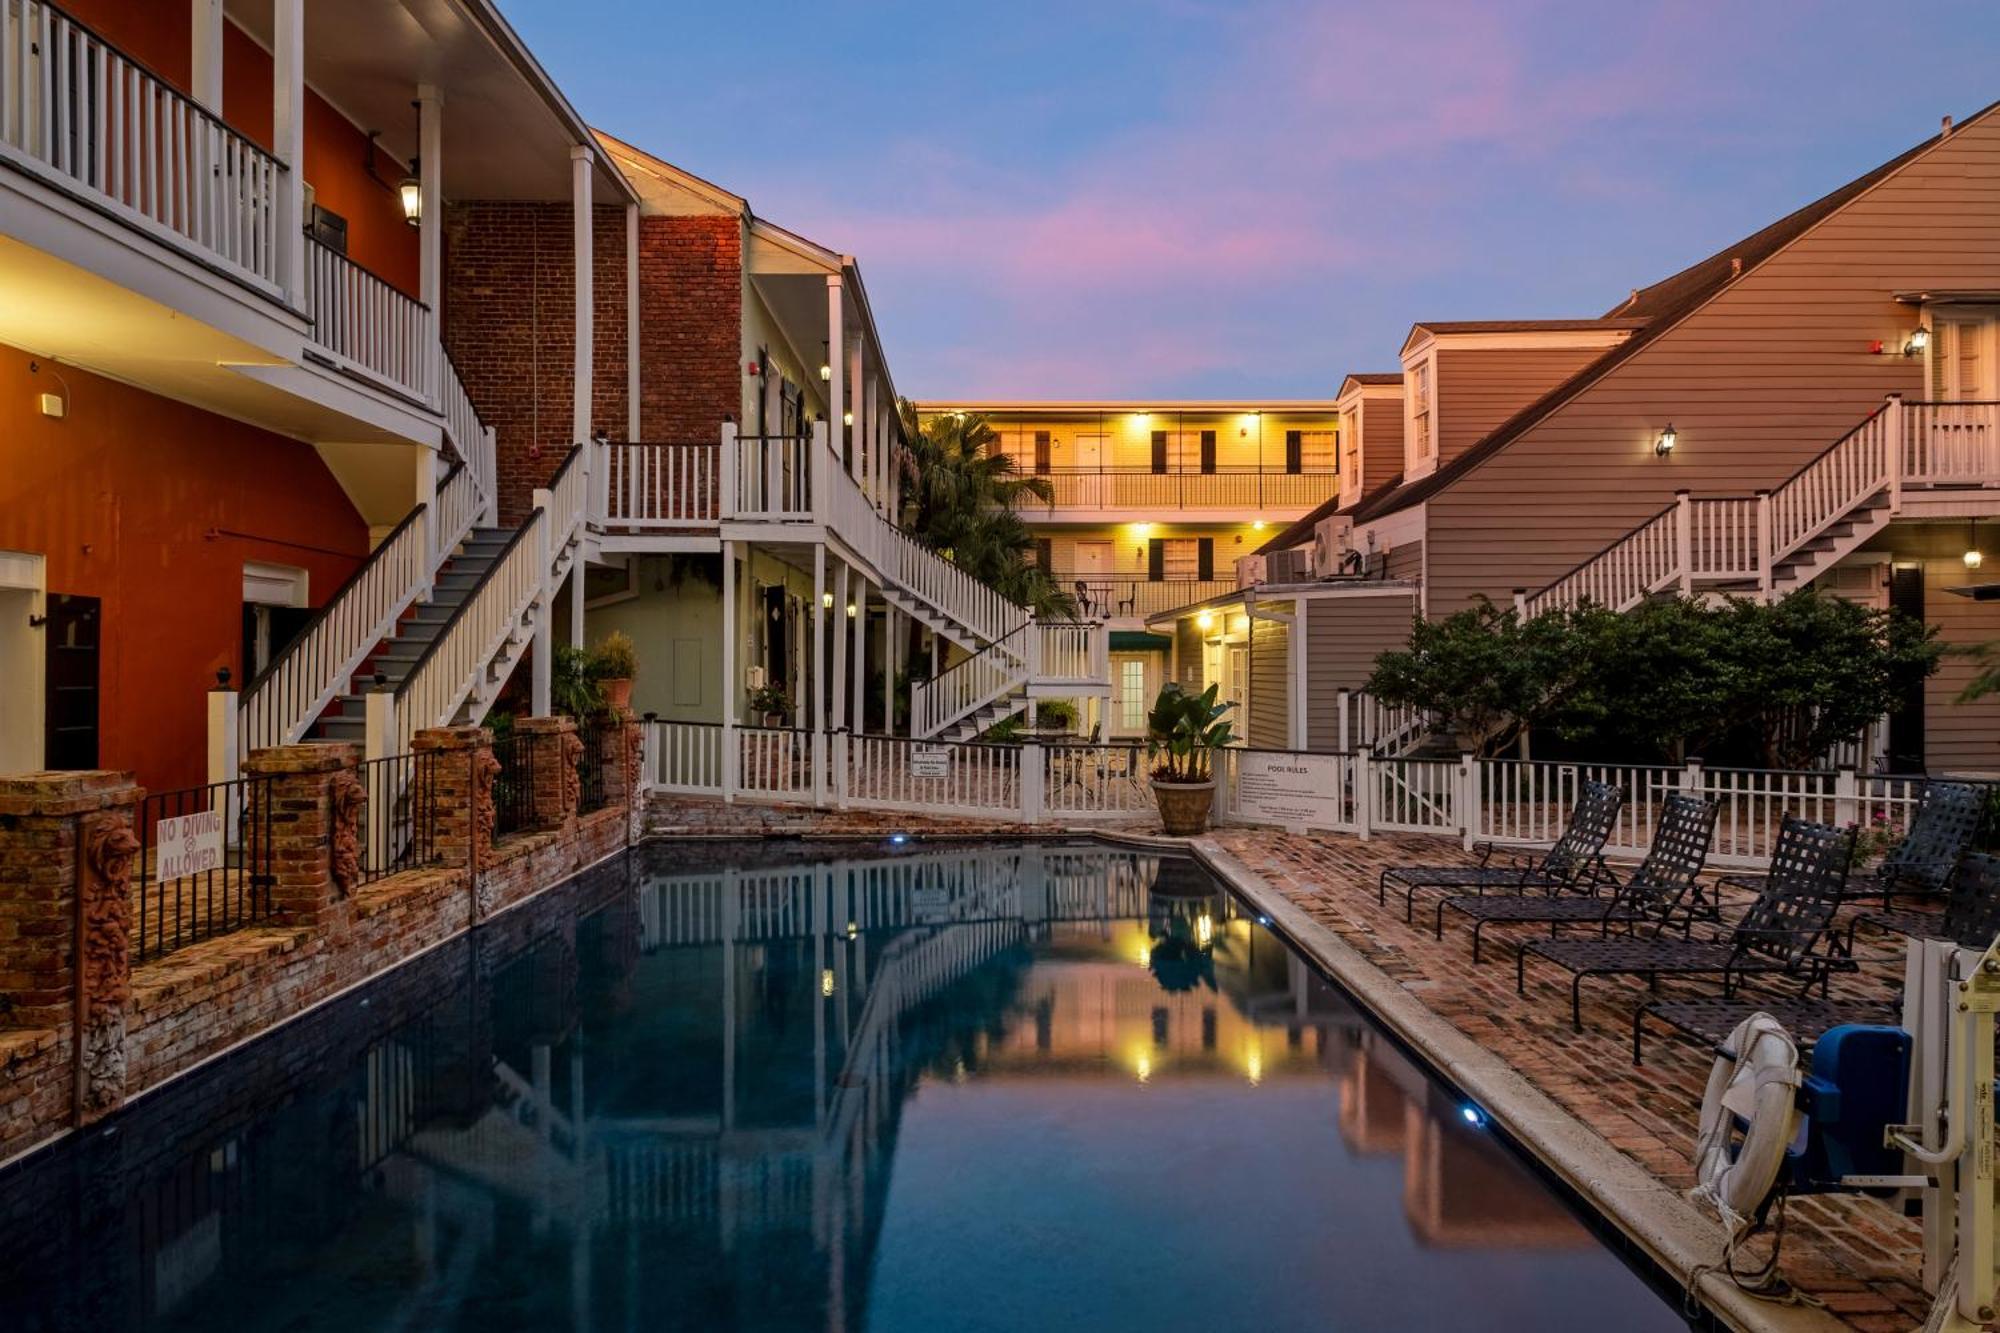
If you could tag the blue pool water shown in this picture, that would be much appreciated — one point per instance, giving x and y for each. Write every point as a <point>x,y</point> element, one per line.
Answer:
<point>730,1087</point>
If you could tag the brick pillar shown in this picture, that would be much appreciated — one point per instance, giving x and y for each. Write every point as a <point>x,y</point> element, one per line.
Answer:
<point>455,770</point>
<point>556,786</point>
<point>621,740</point>
<point>67,845</point>
<point>292,826</point>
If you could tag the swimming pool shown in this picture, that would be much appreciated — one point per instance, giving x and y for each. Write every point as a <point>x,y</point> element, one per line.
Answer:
<point>770,1086</point>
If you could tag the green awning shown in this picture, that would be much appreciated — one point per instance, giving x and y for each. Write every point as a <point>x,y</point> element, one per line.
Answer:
<point>1139,641</point>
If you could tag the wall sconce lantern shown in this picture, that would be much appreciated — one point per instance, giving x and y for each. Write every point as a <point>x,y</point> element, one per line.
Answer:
<point>847,418</point>
<point>1973,559</point>
<point>1920,338</point>
<point>852,610</point>
<point>826,363</point>
<point>1205,621</point>
<point>410,193</point>
<point>826,600</point>
<point>1668,439</point>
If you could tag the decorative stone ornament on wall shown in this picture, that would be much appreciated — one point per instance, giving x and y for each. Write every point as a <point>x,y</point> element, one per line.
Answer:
<point>104,965</point>
<point>485,817</point>
<point>572,777</point>
<point>350,801</point>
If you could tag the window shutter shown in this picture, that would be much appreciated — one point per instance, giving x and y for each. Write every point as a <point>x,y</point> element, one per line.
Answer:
<point>1042,451</point>
<point>1045,551</point>
<point>1295,451</point>
<point>1204,558</point>
<point>1159,451</point>
<point>1208,452</point>
<point>1156,558</point>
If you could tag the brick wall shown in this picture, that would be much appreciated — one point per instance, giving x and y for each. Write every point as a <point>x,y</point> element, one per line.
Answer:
<point>509,321</point>
<point>690,326</point>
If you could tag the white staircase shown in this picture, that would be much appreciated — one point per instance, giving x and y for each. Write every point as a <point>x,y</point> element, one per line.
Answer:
<point>1904,458</point>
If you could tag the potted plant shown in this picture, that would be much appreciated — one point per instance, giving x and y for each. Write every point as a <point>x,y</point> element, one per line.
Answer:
<point>1055,715</point>
<point>1182,733</point>
<point>614,664</point>
<point>771,704</point>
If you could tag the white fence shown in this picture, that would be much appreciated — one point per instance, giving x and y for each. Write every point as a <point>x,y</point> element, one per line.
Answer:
<point>1506,801</point>
<point>364,319</point>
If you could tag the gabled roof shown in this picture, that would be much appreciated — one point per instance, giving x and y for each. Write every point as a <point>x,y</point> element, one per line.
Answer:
<point>1300,532</point>
<point>1367,379</point>
<point>1657,308</point>
<point>1439,328</point>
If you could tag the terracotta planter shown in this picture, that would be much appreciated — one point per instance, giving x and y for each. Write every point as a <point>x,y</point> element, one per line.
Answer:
<point>1184,806</point>
<point>618,693</point>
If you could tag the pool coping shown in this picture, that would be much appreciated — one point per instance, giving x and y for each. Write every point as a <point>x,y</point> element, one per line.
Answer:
<point>1652,1215</point>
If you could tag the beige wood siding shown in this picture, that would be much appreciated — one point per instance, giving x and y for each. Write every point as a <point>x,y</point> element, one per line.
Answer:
<point>1187,647</point>
<point>1270,725</point>
<point>1381,441</point>
<point>1344,636</point>
<point>1407,561</point>
<point>1959,737</point>
<point>1757,382</point>
<point>1480,387</point>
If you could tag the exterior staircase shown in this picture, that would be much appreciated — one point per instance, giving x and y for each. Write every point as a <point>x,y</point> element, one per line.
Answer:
<point>1915,459</point>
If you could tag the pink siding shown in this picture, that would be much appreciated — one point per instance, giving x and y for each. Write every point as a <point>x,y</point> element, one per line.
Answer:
<point>1757,382</point>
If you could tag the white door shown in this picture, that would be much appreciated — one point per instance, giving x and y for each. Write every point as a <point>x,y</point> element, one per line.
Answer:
<point>1092,569</point>
<point>1131,680</point>
<point>1086,485</point>
<point>1963,435</point>
<point>1236,682</point>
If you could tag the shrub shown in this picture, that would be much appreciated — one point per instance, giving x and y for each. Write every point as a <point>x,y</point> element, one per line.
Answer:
<point>1184,730</point>
<point>616,658</point>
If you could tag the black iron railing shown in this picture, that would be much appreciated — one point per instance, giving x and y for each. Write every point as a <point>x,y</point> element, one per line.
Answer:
<point>400,831</point>
<point>514,784</point>
<point>204,865</point>
<point>591,765</point>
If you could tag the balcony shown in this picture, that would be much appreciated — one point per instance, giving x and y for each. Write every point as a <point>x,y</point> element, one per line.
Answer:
<point>1134,596</point>
<point>1241,491</point>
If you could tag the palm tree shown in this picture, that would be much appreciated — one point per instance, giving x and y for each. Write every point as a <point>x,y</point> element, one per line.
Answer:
<point>960,495</point>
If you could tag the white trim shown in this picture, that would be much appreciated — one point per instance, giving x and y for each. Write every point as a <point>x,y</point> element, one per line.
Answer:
<point>1422,338</point>
<point>268,584</point>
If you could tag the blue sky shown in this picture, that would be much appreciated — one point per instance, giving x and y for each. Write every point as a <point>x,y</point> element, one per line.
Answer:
<point>1190,199</point>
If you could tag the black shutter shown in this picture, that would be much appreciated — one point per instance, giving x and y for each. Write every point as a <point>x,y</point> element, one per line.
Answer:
<point>1208,452</point>
<point>1045,553</point>
<point>1204,558</point>
<point>1156,558</point>
<point>1295,451</point>
<point>1042,451</point>
<point>1159,451</point>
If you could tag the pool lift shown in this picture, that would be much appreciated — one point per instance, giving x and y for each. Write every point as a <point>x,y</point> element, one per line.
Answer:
<point>1883,1110</point>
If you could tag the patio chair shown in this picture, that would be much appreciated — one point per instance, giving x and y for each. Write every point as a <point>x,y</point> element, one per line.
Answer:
<point>1575,862</point>
<point>1971,914</point>
<point>1780,934</point>
<point>1655,891</point>
<point>1129,600</point>
<point>1947,819</point>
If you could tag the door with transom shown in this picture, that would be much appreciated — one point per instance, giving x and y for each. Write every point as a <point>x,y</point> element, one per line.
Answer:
<point>1964,442</point>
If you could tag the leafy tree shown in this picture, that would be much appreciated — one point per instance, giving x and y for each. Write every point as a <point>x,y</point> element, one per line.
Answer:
<point>1489,676</point>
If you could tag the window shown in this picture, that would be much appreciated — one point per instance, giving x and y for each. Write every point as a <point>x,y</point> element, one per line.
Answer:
<point>1309,451</point>
<point>1132,694</point>
<point>1350,434</point>
<point>1043,448</point>
<point>1421,441</point>
<point>1180,558</point>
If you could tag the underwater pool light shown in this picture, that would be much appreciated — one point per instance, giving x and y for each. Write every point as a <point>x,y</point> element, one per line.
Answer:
<point>1473,1115</point>
<point>899,838</point>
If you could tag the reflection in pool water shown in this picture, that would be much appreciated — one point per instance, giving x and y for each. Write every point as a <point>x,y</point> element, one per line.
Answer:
<point>1015,1088</point>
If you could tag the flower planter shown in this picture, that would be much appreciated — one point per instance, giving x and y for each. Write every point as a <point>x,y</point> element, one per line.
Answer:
<point>617,693</point>
<point>1184,806</point>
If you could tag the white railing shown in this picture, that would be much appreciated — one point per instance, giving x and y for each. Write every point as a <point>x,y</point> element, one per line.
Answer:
<point>1365,722</point>
<point>772,762</point>
<point>75,105</point>
<point>766,478</point>
<point>568,496</point>
<point>954,594</point>
<point>462,425</point>
<point>282,701</point>
<point>658,485</point>
<point>896,773</point>
<point>459,659</point>
<point>1951,443</point>
<point>1722,538</point>
<point>1069,650</point>
<point>460,501</point>
<point>364,320</point>
<point>969,685</point>
<point>1621,575</point>
<point>1826,489</point>
<point>686,757</point>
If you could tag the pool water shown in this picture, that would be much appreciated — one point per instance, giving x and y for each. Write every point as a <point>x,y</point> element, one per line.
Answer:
<point>771,1087</point>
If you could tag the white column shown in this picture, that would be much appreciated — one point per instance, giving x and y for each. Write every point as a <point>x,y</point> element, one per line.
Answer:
<point>860,651</point>
<point>819,639</point>
<point>581,160</point>
<point>839,683</point>
<point>207,51</point>
<point>853,383</point>
<point>889,619</point>
<point>836,324</point>
<point>430,176</point>
<point>542,653</point>
<point>576,600</point>
<point>631,321</point>
<point>729,631</point>
<point>288,140</point>
<point>872,481</point>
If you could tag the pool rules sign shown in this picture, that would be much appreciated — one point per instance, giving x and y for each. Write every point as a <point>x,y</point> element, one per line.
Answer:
<point>188,845</point>
<point>1292,790</point>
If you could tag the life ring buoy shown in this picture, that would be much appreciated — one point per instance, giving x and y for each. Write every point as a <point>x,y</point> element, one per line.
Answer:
<point>1755,1081</point>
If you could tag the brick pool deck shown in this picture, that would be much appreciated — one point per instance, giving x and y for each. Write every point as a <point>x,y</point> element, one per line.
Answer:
<point>1857,1257</point>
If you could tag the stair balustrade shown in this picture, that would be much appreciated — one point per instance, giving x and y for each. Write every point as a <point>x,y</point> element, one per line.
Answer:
<point>969,685</point>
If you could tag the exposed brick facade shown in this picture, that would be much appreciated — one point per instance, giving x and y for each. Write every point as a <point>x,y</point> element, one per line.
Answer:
<point>690,327</point>
<point>509,322</point>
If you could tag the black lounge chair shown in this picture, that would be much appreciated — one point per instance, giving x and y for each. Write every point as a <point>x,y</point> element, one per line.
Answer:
<point>1971,914</point>
<point>1575,862</point>
<point>1780,934</point>
<point>1710,1019</point>
<point>1655,890</point>
<point>1947,819</point>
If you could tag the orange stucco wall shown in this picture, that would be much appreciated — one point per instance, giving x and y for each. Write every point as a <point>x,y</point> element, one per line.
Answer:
<point>336,153</point>
<point>153,507</point>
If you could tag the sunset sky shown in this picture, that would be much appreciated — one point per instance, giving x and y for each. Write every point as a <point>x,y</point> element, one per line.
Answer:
<point>1251,198</point>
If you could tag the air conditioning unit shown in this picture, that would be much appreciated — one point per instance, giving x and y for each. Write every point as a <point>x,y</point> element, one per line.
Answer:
<point>1293,566</point>
<point>1249,571</point>
<point>1333,538</point>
